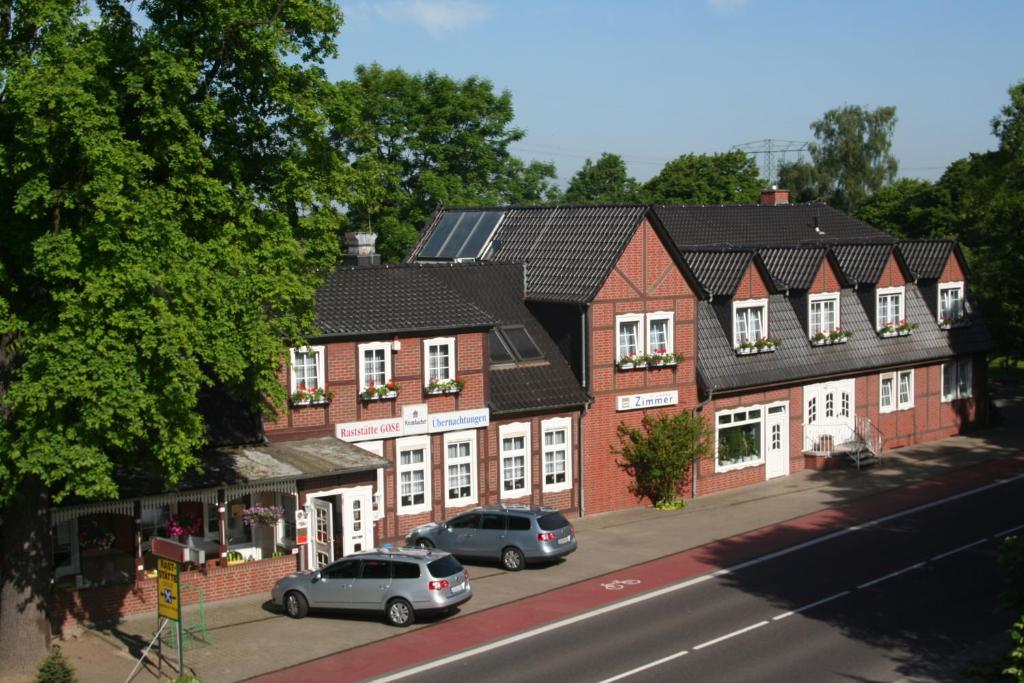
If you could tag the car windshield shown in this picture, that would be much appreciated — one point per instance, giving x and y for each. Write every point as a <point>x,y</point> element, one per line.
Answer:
<point>552,521</point>
<point>445,566</point>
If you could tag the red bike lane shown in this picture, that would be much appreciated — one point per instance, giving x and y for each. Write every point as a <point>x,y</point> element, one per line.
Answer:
<point>479,628</point>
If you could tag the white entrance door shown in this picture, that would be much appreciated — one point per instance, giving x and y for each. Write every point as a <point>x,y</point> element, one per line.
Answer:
<point>776,426</point>
<point>357,519</point>
<point>828,413</point>
<point>323,533</point>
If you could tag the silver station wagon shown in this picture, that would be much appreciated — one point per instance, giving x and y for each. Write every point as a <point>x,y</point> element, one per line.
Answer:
<point>514,535</point>
<point>402,583</point>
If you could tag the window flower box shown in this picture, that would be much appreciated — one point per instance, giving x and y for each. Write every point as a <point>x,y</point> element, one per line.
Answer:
<point>633,361</point>
<point>383,392</point>
<point>820,339</point>
<point>304,396</point>
<point>445,386</point>
<point>839,336</point>
<point>948,323</point>
<point>905,329</point>
<point>746,348</point>
<point>767,344</point>
<point>661,357</point>
<point>888,330</point>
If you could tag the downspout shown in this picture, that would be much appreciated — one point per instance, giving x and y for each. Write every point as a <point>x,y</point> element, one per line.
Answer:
<point>584,371</point>
<point>699,408</point>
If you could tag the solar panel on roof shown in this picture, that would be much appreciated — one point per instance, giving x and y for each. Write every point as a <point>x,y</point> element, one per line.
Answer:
<point>521,342</point>
<point>474,244</point>
<point>432,248</point>
<point>459,234</point>
<point>496,348</point>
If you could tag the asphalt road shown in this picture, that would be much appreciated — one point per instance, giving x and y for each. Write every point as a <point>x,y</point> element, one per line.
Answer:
<point>910,598</point>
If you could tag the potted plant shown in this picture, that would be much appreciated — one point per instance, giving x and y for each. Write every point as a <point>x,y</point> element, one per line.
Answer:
<point>905,329</point>
<point>949,322</point>
<point>445,386</point>
<point>305,396</point>
<point>235,557</point>
<point>840,336</point>
<point>184,524</point>
<point>627,362</point>
<point>95,536</point>
<point>771,343</point>
<point>888,330</point>
<point>819,339</point>
<point>262,515</point>
<point>375,392</point>
<point>656,357</point>
<point>641,360</point>
<point>746,347</point>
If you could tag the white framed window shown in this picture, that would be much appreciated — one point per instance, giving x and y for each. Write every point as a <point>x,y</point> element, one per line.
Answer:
<point>659,332</point>
<point>957,379</point>
<point>905,389</point>
<point>895,391</point>
<point>459,468</point>
<point>887,392</point>
<point>889,309</point>
<point>822,313</point>
<point>514,444</point>
<point>951,301</point>
<point>629,335</point>
<point>557,453</point>
<point>307,368</point>
<point>750,320</point>
<point>438,360</point>
<point>739,440</point>
<point>413,474</point>
<point>374,364</point>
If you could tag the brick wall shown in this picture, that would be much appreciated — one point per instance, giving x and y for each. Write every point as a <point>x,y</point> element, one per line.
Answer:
<point>70,610</point>
<point>892,274</point>
<point>825,280</point>
<point>953,271</point>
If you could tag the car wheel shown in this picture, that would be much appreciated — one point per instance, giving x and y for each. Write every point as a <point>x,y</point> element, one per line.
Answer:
<point>399,613</point>
<point>424,543</point>
<point>512,559</point>
<point>296,605</point>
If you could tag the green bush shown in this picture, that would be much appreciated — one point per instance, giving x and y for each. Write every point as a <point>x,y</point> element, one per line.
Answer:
<point>658,455</point>
<point>55,669</point>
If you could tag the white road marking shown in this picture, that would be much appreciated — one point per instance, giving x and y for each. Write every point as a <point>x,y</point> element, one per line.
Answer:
<point>1009,531</point>
<point>891,575</point>
<point>727,636</point>
<point>547,628</point>
<point>645,667</point>
<point>619,584</point>
<point>954,551</point>
<point>810,606</point>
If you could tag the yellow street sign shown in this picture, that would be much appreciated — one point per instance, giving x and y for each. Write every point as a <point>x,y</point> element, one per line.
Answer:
<point>168,594</point>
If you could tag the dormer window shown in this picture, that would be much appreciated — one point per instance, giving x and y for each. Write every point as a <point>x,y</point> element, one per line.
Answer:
<point>823,315</point>
<point>952,310</point>
<point>889,314</point>
<point>750,320</point>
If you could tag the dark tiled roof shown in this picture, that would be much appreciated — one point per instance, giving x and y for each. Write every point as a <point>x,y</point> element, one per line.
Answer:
<point>862,263</point>
<point>720,369</point>
<point>756,226</point>
<point>392,299</point>
<point>516,388</point>
<point>793,267</point>
<point>568,250</point>
<point>719,272</point>
<point>926,258</point>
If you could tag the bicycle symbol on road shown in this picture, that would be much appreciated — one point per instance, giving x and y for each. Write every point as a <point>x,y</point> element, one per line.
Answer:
<point>619,584</point>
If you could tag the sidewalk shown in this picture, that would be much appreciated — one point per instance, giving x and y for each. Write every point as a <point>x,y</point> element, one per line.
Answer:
<point>248,638</point>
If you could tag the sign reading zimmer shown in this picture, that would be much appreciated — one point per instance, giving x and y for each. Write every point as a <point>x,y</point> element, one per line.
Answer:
<point>641,401</point>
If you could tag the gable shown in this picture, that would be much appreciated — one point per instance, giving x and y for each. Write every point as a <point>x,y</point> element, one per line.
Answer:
<point>892,274</point>
<point>644,269</point>
<point>826,279</point>
<point>752,284</point>
<point>953,271</point>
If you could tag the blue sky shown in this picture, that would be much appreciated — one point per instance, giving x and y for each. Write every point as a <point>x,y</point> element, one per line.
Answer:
<point>652,80</point>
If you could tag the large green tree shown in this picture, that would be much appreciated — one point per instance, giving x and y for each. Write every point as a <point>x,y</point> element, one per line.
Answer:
<point>605,181</point>
<point>851,157</point>
<point>167,193</point>
<point>726,178</point>
<point>429,140</point>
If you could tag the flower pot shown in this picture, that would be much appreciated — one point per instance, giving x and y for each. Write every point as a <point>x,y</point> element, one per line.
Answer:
<point>886,335</point>
<point>819,342</point>
<point>904,333</point>
<point>625,366</point>
<point>945,326</point>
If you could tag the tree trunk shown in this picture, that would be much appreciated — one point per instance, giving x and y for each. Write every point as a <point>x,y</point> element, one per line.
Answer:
<point>25,574</point>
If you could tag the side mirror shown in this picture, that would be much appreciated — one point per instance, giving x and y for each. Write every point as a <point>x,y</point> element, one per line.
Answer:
<point>447,527</point>
<point>317,576</point>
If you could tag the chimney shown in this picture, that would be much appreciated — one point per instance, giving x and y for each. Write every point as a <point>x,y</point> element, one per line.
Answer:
<point>773,196</point>
<point>359,249</point>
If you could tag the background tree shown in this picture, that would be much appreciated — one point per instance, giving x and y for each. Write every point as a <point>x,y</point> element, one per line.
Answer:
<point>850,159</point>
<point>727,178</point>
<point>659,454</point>
<point>167,184</point>
<point>605,181</point>
<point>908,208</point>
<point>437,141</point>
